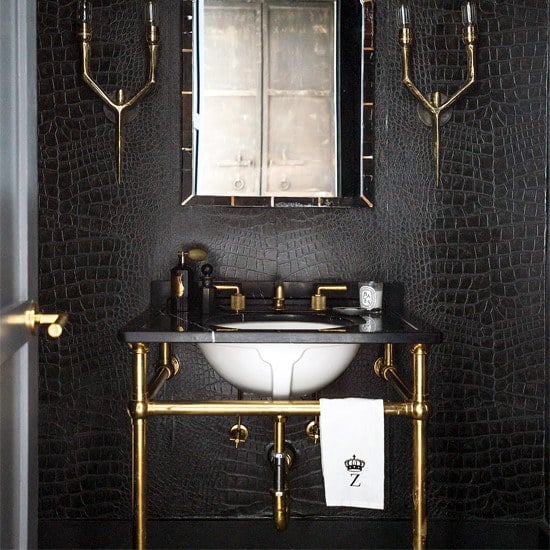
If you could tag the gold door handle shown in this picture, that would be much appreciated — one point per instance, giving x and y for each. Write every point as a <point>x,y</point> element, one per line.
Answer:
<point>55,321</point>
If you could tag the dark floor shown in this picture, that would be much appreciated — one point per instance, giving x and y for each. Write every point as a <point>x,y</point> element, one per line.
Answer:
<point>310,534</point>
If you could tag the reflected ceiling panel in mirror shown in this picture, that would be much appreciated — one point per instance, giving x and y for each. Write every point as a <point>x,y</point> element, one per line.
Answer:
<point>277,102</point>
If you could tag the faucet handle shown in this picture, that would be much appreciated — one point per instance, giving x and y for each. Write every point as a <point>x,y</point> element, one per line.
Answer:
<point>319,301</point>
<point>238,299</point>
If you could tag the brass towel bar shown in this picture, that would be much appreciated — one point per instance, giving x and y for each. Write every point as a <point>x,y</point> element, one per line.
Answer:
<point>263,408</point>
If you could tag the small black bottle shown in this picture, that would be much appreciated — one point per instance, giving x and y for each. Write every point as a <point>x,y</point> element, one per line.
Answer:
<point>208,290</point>
<point>179,286</point>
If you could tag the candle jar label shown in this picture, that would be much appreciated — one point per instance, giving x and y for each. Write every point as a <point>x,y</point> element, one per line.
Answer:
<point>370,295</point>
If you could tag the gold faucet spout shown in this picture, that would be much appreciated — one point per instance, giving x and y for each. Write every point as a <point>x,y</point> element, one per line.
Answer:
<point>237,299</point>
<point>319,300</point>
<point>279,298</point>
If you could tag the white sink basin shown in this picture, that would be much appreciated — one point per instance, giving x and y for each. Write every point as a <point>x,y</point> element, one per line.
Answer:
<point>279,370</point>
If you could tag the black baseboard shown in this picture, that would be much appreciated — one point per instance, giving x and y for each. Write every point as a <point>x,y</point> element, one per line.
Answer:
<point>314,534</point>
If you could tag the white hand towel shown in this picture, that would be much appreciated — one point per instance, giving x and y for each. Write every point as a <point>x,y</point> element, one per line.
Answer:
<point>352,452</point>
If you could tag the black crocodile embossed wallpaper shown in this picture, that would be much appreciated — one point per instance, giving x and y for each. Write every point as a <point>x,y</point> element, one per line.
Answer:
<point>471,255</point>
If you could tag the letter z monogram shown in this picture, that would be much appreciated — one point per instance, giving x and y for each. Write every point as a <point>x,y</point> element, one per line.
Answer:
<point>354,483</point>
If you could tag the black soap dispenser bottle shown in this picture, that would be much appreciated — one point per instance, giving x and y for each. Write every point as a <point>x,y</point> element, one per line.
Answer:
<point>179,286</point>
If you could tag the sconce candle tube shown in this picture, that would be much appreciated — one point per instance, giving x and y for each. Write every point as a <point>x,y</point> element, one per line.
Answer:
<point>404,25</point>
<point>469,14</point>
<point>151,13</point>
<point>151,18</point>
<point>403,17</point>
<point>84,12</point>
<point>469,19</point>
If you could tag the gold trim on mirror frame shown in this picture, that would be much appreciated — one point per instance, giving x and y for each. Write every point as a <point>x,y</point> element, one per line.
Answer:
<point>364,194</point>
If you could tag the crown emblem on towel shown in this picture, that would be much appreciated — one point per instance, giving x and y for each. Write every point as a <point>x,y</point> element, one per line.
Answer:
<point>354,464</point>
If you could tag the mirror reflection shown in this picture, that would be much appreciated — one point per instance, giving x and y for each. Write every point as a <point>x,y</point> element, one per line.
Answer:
<point>281,103</point>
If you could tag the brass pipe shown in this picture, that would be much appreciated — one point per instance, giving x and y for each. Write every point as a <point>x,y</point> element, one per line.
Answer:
<point>139,446</point>
<point>279,434</point>
<point>280,510</point>
<point>280,492</point>
<point>262,408</point>
<point>388,354</point>
<point>165,351</point>
<point>419,373</point>
<point>167,366</point>
<point>393,378</point>
<point>419,449</point>
<point>157,381</point>
<point>385,368</point>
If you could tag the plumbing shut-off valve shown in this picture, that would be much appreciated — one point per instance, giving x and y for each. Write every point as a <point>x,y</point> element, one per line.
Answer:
<point>238,432</point>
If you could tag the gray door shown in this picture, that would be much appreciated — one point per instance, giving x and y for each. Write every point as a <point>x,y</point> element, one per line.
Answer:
<point>18,274</point>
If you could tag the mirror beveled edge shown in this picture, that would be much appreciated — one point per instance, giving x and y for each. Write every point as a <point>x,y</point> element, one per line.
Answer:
<point>365,192</point>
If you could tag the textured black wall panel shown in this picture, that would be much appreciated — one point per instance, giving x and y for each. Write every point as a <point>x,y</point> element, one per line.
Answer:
<point>471,255</point>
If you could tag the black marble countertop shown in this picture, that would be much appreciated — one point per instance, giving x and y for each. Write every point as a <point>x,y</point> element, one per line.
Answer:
<point>156,325</point>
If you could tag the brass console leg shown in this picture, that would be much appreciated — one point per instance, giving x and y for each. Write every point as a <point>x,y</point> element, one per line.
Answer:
<point>138,413</point>
<point>419,446</point>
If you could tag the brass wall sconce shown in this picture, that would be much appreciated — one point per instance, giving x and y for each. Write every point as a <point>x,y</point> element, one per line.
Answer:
<point>431,110</point>
<point>119,104</point>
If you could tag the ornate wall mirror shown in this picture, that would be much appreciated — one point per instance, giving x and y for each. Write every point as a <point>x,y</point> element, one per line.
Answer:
<point>277,102</point>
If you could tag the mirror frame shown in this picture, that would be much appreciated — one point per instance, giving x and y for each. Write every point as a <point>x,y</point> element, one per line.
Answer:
<point>365,187</point>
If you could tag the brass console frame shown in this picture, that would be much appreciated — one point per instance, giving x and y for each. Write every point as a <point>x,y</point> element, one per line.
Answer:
<point>141,408</point>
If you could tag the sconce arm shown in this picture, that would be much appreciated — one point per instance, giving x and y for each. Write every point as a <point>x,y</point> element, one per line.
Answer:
<point>406,78</point>
<point>120,104</point>
<point>151,81</point>
<point>405,55</point>
<point>89,80</point>
<point>470,51</point>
